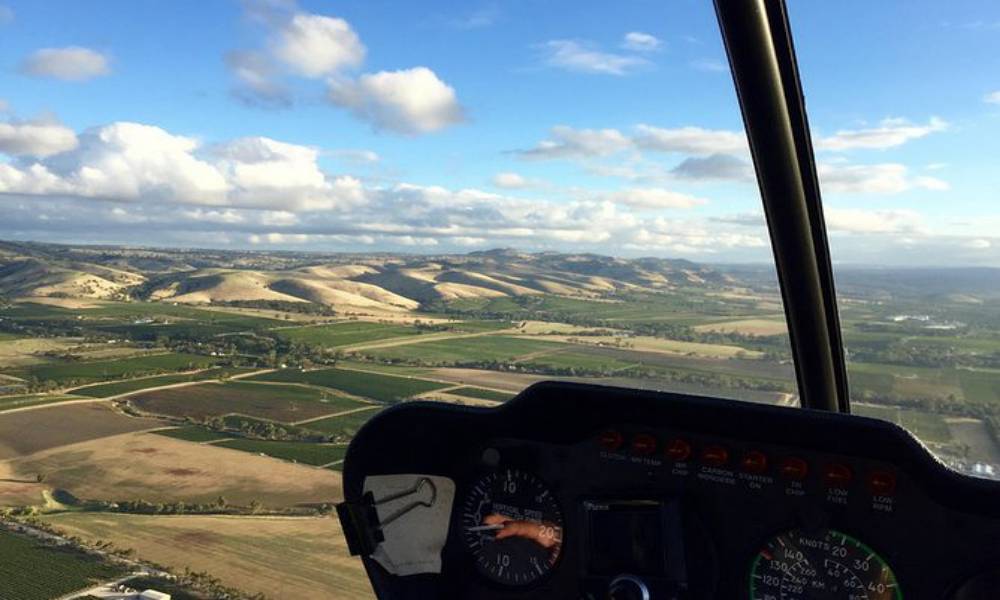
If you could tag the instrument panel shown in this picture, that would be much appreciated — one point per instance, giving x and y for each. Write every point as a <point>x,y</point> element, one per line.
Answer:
<point>586,492</point>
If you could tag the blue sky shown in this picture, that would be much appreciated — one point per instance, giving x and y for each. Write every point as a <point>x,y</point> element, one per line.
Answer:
<point>438,127</point>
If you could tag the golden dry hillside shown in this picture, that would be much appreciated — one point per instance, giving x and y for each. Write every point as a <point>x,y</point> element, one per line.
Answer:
<point>373,283</point>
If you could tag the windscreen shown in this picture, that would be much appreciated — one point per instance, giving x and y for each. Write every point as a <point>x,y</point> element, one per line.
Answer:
<point>233,232</point>
<point>905,127</point>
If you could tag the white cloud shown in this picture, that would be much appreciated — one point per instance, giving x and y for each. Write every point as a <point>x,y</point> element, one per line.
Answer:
<point>358,157</point>
<point>861,221</point>
<point>992,97</point>
<point>977,244</point>
<point>567,142</point>
<point>265,172</point>
<point>410,101</point>
<point>655,198</point>
<point>483,17</point>
<point>510,181</point>
<point>889,134</point>
<point>583,58</point>
<point>39,138</point>
<point>72,63</point>
<point>711,65</point>
<point>257,80</point>
<point>883,178</point>
<point>714,167</point>
<point>691,140</point>
<point>316,45</point>
<point>638,41</point>
<point>132,162</point>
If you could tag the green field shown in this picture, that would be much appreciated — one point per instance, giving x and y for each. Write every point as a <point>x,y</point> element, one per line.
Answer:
<point>66,372</point>
<point>123,387</point>
<point>192,433</point>
<point>477,326</point>
<point>675,307</point>
<point>11,402</point>
<point>301,452</point>
<point>401,370</point>
<point>278,403</point>
<point>465,350</point>
<point>581,360</point>
<point>344,426</point>
<point>981,386</point>
<point>929,427</point>
<point>926,426</point>
<point>473,392</point>
<point>30,570</point>
<point>346,334</point>
<point>386,388</point>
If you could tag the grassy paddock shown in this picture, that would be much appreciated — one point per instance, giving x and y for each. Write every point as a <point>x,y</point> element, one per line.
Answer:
<point>386,388</point>
<point>133,385</point>
<point>301,452</point>
<point>346,334</point>
<point>112,369</point>
<point>480,393</point>
<point>280,403</point>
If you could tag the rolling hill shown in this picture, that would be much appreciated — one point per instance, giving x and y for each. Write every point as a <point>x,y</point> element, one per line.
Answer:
<point>375,283</point>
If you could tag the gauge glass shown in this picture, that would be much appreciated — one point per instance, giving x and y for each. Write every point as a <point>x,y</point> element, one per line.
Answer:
<point>825,565</point>
<point>513,527</point>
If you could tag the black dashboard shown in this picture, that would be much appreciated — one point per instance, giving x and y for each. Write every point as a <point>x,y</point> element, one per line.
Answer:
<point>578,491</point>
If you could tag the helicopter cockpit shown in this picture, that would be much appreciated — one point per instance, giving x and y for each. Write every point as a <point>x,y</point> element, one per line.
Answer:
<point>584,491</point>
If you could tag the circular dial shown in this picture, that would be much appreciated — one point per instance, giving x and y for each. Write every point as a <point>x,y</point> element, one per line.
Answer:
<point>513,527</point>
<point>825,565</point>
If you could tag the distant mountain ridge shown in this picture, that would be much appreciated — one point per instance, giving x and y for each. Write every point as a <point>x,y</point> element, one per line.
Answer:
<point>387,282</point>
<point>374,282</point>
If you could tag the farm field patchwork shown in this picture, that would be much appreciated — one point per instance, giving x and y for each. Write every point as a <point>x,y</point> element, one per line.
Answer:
<point>159,469</point>
<point>300,452</point>
<point>281,557</point>
<point>282,403</point>
<point>482,394</point>
<point>654,344</point>
<point>118,388</point>
<point>30,431</point>
<point>343,425</point>
<point>191,433</point>
<point>32,570</point>
<point>466,350</point>
<point>26,400</point>
<point>927,426</point>
<point>386,388</point>
<point>65,372</point>
<point>346,333</point>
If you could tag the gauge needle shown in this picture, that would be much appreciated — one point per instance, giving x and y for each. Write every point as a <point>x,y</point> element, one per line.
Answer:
<point>486,527</point>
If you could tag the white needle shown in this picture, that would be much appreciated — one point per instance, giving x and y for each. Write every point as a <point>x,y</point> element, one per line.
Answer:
<point>485,527</point>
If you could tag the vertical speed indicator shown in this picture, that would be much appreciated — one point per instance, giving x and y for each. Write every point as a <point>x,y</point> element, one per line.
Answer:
<point>512,526</point>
